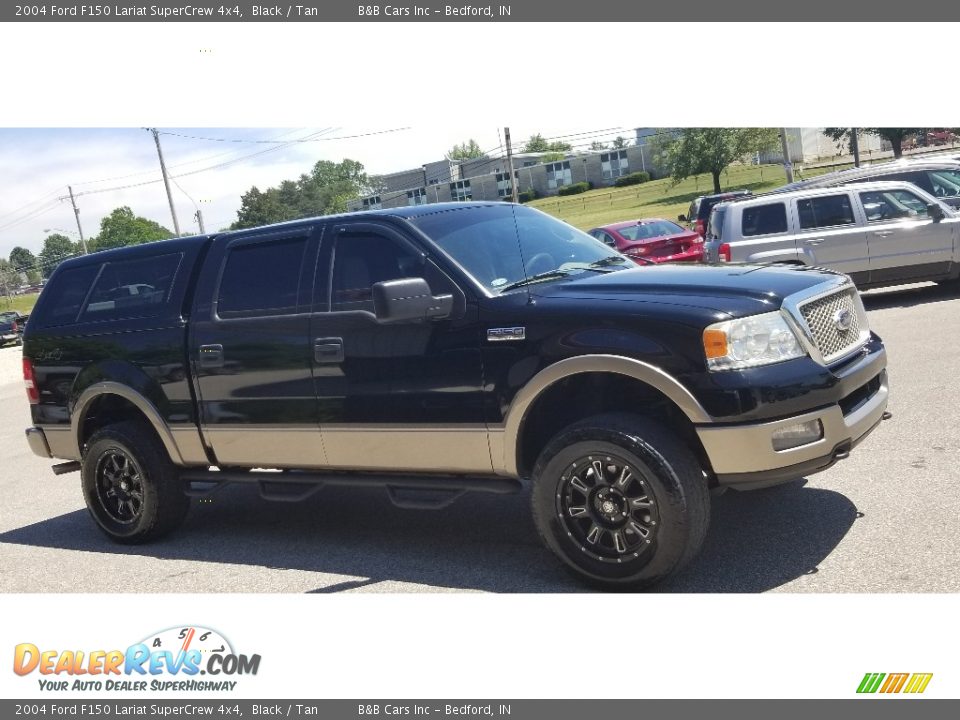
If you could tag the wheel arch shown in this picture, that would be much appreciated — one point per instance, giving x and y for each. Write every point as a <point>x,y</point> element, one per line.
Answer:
<point>643,378</point>
<point>131,405</point>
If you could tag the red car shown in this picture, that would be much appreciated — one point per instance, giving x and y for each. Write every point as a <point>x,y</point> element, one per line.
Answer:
<point>652,239</point>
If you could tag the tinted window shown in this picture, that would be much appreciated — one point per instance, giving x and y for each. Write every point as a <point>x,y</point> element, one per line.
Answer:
<point>917,177</point>
<point>825,211</point>
<point>715,227</point>
<point>132,288</point>
<point>262,278</point>
<point>764,219</point>
<point>604,237</point>
<point>649,230</point>
<point>892,205</point>
<point>361,260</point>
<point>61,299</point>
<point>944,183</point>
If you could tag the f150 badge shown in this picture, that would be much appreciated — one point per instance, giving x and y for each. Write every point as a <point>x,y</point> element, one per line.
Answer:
<point>506,334</point>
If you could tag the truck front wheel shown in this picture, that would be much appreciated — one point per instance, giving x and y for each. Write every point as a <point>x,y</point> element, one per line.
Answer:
<point>620,501</point>
<point>131,487</point>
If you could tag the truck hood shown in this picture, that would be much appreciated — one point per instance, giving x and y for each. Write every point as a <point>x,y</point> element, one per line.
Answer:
<point>736,290</point>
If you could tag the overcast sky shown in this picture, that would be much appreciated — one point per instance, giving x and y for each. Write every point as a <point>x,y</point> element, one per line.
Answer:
<point>212,168</point>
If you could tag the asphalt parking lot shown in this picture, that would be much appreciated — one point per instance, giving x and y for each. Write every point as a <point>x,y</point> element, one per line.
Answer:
<point>885,520</point>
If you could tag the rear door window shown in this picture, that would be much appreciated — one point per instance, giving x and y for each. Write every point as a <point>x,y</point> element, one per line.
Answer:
<point>262,278</point>
<point>132,288</point>
<point>827,211</point>
<point>764,219</point>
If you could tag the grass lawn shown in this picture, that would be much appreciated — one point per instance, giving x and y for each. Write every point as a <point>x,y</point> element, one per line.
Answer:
<point>658,198</point>
<point>21,303</point>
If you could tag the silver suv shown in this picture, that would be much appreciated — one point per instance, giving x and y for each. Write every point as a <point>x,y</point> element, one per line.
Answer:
<point>879,233</point>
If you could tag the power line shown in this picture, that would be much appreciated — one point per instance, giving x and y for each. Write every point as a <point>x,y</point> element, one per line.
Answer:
<point>218,166</point>
<point>304,140</point>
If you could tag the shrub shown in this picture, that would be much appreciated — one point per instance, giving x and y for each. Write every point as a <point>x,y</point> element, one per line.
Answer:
<point>632,179</point>
<point>575,189</point>
<point>527,195</point>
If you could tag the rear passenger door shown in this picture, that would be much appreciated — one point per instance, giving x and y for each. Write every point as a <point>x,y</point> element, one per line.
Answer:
<point>904,242</point>
<point>394,396</point>
<point>250,352</point>
<point>830,235</point>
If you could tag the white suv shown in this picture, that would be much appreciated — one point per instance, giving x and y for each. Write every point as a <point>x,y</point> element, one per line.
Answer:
<point>879,233</point>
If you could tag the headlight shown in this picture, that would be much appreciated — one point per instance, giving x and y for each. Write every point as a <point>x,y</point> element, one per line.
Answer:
<point>749,342</point>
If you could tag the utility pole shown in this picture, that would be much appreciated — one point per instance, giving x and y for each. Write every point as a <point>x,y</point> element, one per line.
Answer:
<point>76,213</point>
<point>787,165</point>
<point>855,147</point>
<point>166,181</point>
<point>199,216</point>
<point>513,178</point>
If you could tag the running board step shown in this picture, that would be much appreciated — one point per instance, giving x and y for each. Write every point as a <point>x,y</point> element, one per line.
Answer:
<point>414,492</point>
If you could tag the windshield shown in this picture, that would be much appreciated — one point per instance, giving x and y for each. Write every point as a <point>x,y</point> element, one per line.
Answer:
<point>501,245</point>
<point>648,230</point>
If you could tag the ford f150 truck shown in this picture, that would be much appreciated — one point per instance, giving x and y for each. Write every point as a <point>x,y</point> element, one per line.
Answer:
<point>441,349</point>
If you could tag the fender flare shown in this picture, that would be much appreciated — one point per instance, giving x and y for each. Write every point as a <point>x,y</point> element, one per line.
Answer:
<point>616,364</point>
<point>142,404</point>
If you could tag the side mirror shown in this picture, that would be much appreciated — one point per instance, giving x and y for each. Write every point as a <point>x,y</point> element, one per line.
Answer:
<point>408,299</point>
<point>935,212</point>
<point>682,218</point>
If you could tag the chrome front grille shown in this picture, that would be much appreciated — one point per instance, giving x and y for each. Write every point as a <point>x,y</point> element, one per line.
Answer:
<point>836,322</point>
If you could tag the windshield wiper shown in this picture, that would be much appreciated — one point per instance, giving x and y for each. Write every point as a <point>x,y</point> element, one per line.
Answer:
<point>608,260</point>
<point>539,277</point>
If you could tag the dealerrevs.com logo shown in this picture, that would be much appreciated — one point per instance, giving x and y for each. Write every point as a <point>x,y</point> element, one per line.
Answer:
<point>172,659</point>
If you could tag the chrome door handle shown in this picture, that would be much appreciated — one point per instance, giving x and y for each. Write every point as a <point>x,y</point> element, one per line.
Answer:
<point>815,241</point>
<point>883,233</point>
<point>211,356</point>
<point>328,350</point>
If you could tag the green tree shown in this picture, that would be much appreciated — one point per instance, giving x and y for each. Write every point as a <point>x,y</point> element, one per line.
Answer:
<point>536,143</point>
<point>25,262</point>
<point>693,151</point>
<point>596,146</point>
<point>620,142</point>
<point>56,248</point>
<point>895,136</point>
<point>10,279</point>
<point>468,150</point>
<point>326,189</point>
<point>121,228</point>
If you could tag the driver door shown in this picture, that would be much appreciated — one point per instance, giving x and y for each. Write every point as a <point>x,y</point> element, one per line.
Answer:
<point>387,391</point>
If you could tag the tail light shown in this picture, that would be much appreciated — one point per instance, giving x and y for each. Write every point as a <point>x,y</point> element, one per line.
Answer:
<point>33,395</point>
<point>723,252</point>
<point>701,227</point>
<point>15,328</point>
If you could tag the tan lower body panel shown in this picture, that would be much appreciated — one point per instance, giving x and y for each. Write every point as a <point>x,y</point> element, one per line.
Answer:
<point>450,449</point>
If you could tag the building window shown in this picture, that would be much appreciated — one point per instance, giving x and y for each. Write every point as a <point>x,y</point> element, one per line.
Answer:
<point>614,164</point>
<point>504,186</point>
<point>372,203</point>
<point>558,175</point>
<point>417,197</point>
<point>460,191</point>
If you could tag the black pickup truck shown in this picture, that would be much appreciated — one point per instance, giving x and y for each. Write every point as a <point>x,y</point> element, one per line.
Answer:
<point>441,349</point>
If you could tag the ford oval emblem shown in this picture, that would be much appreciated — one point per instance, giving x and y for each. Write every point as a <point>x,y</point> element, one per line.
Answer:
<point>843,319</point>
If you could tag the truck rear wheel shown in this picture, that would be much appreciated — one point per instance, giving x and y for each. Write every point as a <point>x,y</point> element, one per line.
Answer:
<point>131,487</point>
<point>620,501</point>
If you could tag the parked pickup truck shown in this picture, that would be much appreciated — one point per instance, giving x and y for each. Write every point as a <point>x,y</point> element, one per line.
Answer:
<point>441,349</point>
<point>11,326</point>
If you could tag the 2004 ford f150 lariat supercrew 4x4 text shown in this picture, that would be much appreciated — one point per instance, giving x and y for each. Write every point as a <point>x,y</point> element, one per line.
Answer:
<point>441,349</point>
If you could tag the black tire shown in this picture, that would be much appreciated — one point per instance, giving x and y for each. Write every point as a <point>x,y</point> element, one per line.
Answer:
<point>132,489</point>
<point>660,509</point>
